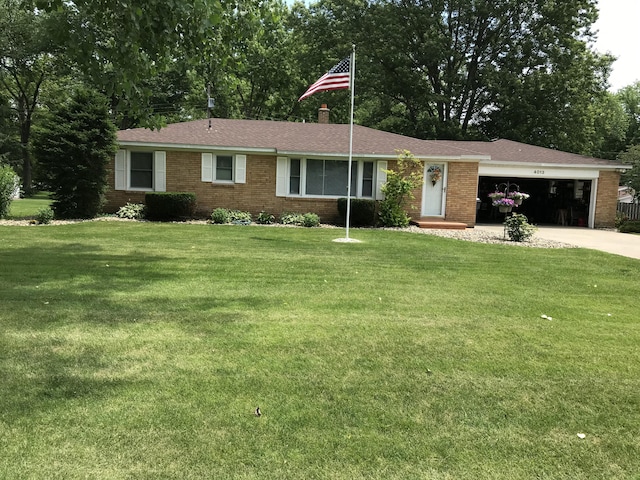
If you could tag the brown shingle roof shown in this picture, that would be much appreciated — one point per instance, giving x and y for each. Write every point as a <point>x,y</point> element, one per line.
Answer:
<point>288,137</point>
<point>510,151</point>
<point>314,138</point>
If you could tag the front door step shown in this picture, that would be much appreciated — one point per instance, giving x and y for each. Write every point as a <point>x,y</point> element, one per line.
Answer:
<point>438,223</point>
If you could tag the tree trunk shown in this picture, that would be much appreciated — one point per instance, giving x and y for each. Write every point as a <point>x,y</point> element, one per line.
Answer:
<point>25,134</point>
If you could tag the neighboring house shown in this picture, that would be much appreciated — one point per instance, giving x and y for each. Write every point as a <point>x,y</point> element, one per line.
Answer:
<point>626,194</point>
<point>277,167</point>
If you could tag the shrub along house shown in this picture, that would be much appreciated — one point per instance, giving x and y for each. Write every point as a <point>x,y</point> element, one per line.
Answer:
<point>277,167</point>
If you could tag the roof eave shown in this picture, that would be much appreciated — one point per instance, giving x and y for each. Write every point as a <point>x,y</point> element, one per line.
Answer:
<point>194,147</point>
<point>597,166</point>
<point>381,156</point>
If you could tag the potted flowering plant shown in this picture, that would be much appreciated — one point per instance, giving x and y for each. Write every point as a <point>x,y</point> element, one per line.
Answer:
<point>496,196</point>
<point>518,197</point>
<point>504,204</point>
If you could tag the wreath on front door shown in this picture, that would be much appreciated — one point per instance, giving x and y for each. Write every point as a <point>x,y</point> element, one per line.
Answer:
<point>435,174</point>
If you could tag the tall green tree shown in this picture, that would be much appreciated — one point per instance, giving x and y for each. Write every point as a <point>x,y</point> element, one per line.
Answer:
<point>26,59</point>
<point>263,60</point>
<point>9,140</point>
<point>559,105</point>
<point>323,34</point>
<point>629,98</point>
<point>127,49</point>
<point>249,63</point>
<point>74,146</point>
<point>520,69</point>
<point>611,125</point>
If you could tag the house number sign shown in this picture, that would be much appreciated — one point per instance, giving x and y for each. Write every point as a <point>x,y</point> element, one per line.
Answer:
<point>538,172</point>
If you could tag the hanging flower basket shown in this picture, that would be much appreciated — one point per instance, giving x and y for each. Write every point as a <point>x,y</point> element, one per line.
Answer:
<point>518,197</point>
<point>495,196</point>
<point>505,205</point>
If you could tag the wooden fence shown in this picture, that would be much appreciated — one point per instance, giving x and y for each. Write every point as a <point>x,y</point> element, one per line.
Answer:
<point>631,210</point>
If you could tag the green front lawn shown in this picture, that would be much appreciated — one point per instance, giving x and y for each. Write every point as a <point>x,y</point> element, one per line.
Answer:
<point>140,350</point>
<point>28,207</point>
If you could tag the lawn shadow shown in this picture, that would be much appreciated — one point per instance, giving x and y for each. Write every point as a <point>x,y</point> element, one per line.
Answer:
<point>39,374</point>
<point>61,273</point>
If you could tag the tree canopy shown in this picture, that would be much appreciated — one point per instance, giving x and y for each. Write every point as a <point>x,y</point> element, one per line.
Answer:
<point>520,69</point>
<point>523,70</point>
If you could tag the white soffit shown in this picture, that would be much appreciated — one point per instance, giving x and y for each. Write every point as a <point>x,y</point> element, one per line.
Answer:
<point>538,171</point>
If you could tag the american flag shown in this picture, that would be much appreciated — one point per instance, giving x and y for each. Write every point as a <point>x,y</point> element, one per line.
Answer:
<point>338,78</point>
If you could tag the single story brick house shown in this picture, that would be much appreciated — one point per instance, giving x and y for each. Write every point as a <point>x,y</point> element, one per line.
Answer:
<point>272,166</point>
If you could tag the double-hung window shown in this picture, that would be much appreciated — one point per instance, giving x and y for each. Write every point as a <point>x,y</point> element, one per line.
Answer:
<point>143,170</point>
<point>223,168</point>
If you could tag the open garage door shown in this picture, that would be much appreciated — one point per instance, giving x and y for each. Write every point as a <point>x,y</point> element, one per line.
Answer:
<point>553,201</point>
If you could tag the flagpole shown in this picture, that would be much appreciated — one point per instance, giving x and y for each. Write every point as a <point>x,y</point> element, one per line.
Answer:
<point>352,84</point>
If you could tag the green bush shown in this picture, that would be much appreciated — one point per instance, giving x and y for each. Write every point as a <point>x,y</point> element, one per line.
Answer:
<point>398,190</point>
<point>265,218</point>
<point>224,215</point>
<point>300,220</point>
<point>621,219</point>
<point>44,216</point>
<point>8,185</point>
<point>221,216</point>
<point>363,211</point>
<point>164,206</point>
<point>133,211</point>
<point>631,226</point>
<point>240,217</point>
<point>289,218</point>
<point>518,228</point>
<point>310,220</point>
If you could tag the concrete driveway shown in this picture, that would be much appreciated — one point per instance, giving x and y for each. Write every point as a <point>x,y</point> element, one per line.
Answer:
<point>625,244</point>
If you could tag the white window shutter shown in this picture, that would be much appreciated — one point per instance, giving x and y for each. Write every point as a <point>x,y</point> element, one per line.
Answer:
<point>206,174</point>
<point>121,170</point>
<point>160,171</point>
<point>281,176</point>
<point>381,179</point>
<point>241,169</point>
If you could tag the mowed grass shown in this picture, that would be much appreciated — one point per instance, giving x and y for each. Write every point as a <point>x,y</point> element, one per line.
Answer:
<point>28,207</point>
<point>140,350</point>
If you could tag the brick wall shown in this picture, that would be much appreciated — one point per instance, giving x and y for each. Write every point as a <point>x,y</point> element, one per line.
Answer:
<point>462,191</point>
<point>259,192</point>
<point>606,199</point>
<point>256,195</point>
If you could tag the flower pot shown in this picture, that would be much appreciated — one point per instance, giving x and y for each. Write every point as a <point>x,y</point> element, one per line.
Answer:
<point>517,201</point>
<point>504,208</point>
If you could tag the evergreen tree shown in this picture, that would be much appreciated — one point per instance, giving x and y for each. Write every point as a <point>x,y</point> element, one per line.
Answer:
<point>74,146</point>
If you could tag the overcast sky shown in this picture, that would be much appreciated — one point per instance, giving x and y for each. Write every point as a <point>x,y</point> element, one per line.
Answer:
<point>619,34</point>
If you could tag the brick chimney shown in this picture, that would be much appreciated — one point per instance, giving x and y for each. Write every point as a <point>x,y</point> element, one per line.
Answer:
<point>323,114</point>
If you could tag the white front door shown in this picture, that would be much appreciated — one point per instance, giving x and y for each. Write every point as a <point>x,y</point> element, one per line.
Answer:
<point>433,190</point>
